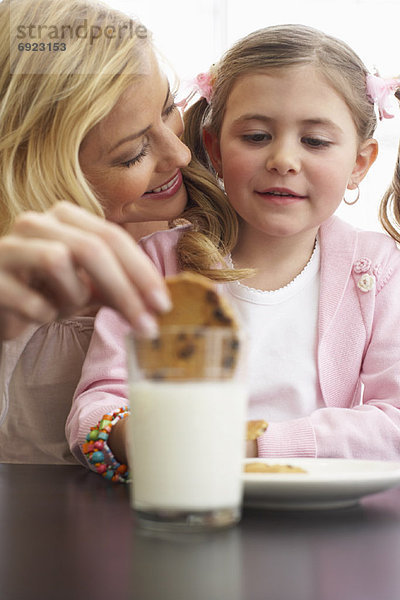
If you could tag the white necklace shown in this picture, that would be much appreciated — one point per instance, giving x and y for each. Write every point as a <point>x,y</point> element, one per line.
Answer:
<point>291,282</point>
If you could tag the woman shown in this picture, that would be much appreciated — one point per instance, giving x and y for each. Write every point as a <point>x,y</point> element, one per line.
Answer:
<point>92,123</point>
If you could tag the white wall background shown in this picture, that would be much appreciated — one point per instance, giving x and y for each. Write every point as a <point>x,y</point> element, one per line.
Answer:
<point>193,34</point>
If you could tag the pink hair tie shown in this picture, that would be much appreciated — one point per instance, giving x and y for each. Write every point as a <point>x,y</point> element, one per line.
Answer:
<point>202,84</point>
<point>378,91</point>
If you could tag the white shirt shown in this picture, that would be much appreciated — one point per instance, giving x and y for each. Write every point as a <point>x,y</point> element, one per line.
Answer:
<point>281,367</point>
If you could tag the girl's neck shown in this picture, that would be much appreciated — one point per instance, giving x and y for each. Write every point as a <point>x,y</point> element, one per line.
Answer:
<point>277,260</point>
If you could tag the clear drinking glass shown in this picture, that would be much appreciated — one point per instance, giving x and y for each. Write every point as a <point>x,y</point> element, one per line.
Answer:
<point>187,428</point>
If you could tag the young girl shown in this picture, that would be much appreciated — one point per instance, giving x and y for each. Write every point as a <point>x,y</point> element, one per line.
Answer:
<point>287,127</point>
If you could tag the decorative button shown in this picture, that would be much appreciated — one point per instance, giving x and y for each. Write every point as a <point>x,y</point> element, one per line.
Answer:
<point>362,265</point>
<point>366,283</point>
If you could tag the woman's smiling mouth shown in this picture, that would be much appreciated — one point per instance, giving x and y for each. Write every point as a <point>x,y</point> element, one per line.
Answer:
<point>167,189</point>
<point>165,186</point>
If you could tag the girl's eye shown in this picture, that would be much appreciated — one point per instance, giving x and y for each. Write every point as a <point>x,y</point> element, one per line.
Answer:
<point>315,142</point>
<point>256,137</point>
<point>137,158</point>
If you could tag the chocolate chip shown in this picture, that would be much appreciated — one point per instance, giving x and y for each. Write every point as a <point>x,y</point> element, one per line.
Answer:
<point>156,343</point>
<point>187,351</point>
<point>222,317</point>
<point>228,362</point>
<point>235,344</point>
<point>212,297</point>
<point>158,375</point>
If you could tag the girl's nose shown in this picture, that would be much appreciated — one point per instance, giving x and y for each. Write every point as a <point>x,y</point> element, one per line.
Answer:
<point>283,159</point>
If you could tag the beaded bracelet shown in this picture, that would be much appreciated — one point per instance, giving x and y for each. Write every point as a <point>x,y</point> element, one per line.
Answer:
<point>97,451</point>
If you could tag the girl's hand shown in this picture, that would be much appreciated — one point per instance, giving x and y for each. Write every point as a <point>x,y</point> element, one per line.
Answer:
<point>62,261</point>
<point>251,449</point>
<point>255,428</point>
<point>118,440</point>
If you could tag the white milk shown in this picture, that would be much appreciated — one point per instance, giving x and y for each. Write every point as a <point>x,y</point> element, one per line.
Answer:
<point>187,444</point>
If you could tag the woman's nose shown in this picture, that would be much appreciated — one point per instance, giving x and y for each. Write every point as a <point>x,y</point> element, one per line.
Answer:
<point>173,153</point>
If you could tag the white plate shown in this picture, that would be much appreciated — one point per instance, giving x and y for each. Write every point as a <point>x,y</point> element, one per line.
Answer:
<point>328,483</point>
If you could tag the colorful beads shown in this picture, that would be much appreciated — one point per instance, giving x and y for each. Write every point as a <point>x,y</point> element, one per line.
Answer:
<point>98,453</point>
<point>97,457</point>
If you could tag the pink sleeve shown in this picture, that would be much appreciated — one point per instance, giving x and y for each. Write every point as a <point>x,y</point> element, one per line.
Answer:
<point>102,387</point>
<point>161,248</point>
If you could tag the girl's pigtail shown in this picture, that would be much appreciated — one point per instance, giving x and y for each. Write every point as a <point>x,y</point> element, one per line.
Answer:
<point>204,247</point>
<point>194,118</point>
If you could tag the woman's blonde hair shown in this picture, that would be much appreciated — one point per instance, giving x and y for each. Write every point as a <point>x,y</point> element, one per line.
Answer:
<point>276,47</point>
<point>52,95</point>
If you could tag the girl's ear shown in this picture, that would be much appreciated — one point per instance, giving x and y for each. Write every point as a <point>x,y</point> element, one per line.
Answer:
<point>211,142</point>
<point>366,156</point>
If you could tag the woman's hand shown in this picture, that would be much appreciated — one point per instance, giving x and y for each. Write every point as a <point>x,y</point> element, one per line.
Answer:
<point>62,261</point>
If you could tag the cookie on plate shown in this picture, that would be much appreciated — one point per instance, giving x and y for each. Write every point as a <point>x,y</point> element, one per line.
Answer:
<point>261,467</point>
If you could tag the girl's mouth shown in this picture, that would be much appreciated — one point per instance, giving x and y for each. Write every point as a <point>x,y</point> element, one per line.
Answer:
<point>281,195</point>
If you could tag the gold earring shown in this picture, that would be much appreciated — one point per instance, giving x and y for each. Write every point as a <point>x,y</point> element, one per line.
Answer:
<point>353,201</point>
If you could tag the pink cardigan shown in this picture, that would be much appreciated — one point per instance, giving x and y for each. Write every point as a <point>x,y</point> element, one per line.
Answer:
<point>358,347</point>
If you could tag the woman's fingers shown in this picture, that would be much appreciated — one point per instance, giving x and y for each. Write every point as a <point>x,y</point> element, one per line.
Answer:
<point>45,266</point>
<point>137,266</point>
<point>37,283</point>
<point>101,255</point>
<point>19,306</point>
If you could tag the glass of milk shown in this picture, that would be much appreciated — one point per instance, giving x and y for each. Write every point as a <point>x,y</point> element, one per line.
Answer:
<point>187,428</point>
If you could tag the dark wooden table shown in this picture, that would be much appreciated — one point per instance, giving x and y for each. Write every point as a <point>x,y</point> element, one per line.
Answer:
<point>66,534</point>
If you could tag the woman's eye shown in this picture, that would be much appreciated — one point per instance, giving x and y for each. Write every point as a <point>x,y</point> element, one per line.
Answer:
<point>170,109</point>
<point>315,142</point>
<point>136,159</point>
